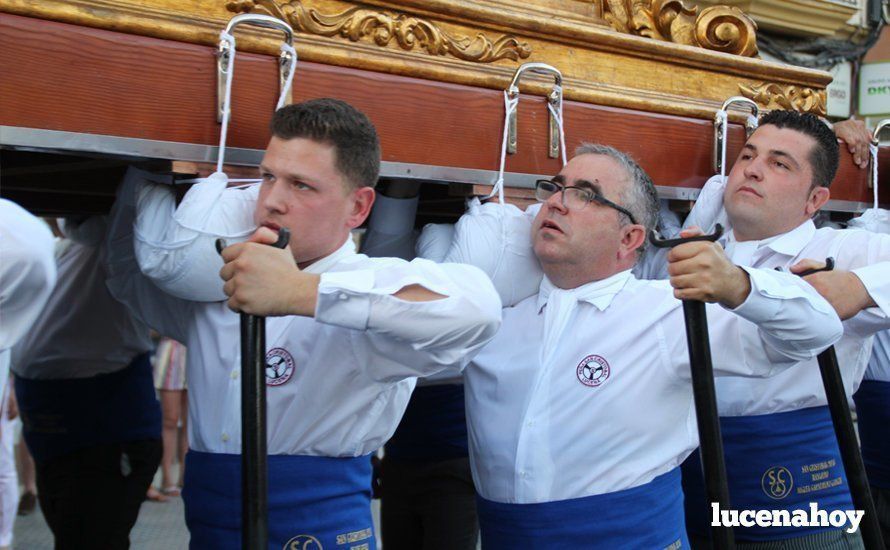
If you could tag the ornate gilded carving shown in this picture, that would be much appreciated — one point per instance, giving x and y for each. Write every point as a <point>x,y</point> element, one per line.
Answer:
<point>721,28</point>
<point>776,96</point>
<point>360,23</point>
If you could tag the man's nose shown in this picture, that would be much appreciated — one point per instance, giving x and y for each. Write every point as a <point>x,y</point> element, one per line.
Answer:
<point>754,169</point>
<point>275,197</point>
<point>554,202</point>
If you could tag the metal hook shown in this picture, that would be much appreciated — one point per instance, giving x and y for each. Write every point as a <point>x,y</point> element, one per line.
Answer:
<point>554,98</point>
<point>880,128</point>
<point>721,125</point>
<point>876,141</point>
<point>225,55</point>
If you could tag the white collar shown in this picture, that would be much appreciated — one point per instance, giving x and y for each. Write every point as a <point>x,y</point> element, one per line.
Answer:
<point>788,244</point>
<point>597,293</point>
<point>346,250</point>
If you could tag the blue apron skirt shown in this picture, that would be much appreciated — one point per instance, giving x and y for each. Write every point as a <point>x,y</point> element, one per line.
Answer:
<point>873,414</point>
<point>648,516</point>
<point>781,461</point>
<point>315,502</point>
<point>60,417</point>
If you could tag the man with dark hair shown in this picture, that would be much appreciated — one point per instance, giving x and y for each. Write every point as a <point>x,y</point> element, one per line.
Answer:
<point>781,451</point>
<point>583,401</point>
<point>347,333</point>
<point>824,157</point>
<point>339,124</point>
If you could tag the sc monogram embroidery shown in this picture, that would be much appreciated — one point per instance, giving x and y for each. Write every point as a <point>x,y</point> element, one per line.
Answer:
<point>303,542</point>
<point>593,371</point>
<point>777,482</point>
<point>279,366</point>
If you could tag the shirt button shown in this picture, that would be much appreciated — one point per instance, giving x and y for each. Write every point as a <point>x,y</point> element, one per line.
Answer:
<point>530,423</point>
<point>523,474</point>
<point>225,436</point>
<point>343,296</point>
<point>234,374</point>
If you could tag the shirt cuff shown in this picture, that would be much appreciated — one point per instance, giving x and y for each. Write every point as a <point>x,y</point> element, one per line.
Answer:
<point>876,279</point>
<point>344,298</point>
<point>761,303</point>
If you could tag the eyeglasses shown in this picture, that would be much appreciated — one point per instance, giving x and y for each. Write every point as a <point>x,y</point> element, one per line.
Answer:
<point>576,198</point>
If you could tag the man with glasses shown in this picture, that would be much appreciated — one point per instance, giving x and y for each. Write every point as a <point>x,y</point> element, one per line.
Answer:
<point>581,410</point>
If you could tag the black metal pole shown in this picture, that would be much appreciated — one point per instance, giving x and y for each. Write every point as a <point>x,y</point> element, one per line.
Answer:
<point>849,447</point>
<point>254,471</point>
<point>847,441</point>
<point>254,451</point>
<point>707,417</point>
<point>705,398</point>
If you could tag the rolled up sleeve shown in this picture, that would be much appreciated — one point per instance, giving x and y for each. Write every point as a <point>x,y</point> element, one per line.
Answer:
<point>399,338</point>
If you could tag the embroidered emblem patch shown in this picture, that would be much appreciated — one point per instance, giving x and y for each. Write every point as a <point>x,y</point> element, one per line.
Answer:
<point>279,366</point>
<point>777,482</point>
<point>303,542</point>
<point>593,371</point>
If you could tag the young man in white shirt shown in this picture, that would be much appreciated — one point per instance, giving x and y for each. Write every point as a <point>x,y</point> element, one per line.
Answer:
<point>781,451</point>
<point>347,334</point>
<point>580,411</point>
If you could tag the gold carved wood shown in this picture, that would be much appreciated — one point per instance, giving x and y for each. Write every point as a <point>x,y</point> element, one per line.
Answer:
<point>777,96</point>
<point>719,28</point>
<point>358,23</point>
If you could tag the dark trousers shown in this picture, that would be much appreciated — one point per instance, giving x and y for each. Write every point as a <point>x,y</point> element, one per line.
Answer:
<point>881,497</point>
<point>428,505</point>
<point>91,497</point>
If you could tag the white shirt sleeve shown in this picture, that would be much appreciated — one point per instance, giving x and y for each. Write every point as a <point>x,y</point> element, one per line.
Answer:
<point>708,209</point>
<point>867,255</point>
<point>27,276</point>
<point>794,321</point>
<point>790,323</point>
<point>496,238</point>
<point>175,245</point>
<point>27,271</point>
<point>126,282</point>
<point>412,338</point>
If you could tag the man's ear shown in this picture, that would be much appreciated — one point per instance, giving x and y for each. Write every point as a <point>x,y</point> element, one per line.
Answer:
<point>817,199</point>
<point>633,236</point>
<point>362,201</point>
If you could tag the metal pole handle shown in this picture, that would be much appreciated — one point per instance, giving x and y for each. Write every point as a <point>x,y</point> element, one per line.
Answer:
<point>658,242</point>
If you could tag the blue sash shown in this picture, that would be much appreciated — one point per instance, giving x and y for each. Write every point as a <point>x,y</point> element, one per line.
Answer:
<point>434,426</point>
<point>781,461</point>
<point>314,502</point>
<point>648,516</point>
<point>873,412</point>
<point>62,416</point>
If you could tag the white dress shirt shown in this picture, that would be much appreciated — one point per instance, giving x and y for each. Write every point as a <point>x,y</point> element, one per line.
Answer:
<point>346,375</point>
<point>83,331</point>
<point>865,254</point>
<point>27,276</point>
<point>587,391</point>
